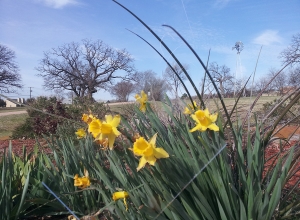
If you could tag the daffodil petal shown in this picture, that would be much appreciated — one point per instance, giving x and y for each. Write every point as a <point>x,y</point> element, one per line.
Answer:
<point>111,141</point>
<point>153,140</point>
<point>213,117</point>
<point>160,153</point>
<point>151,160</point>
<point>213,127</point>
<point>95,127</point>
<point>116,121</point>
<point>142,163</point>
<point>137,96</point>
<point>115,131</point>
<point>206,112</point>
<point>108,118</point>
<point>195,118</point>
<point>187,111</point>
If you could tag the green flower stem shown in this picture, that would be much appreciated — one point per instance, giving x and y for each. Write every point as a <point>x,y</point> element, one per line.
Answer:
<point>189,95</point>
<point>167,48</point>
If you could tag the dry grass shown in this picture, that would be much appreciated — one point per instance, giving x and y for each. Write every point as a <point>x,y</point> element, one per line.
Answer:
<point>9,122</point>
<point>12,109</point>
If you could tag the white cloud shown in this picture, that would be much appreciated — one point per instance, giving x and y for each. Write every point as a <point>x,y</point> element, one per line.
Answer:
<point>58,3</point>
<point>268,37</point>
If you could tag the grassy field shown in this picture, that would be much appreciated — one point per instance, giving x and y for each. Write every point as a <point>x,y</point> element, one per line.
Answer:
<point>9,122</point>
<point>243,105</point>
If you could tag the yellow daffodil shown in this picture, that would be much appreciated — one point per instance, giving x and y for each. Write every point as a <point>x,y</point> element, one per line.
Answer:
<point>81,182</point>
<point>95,127</point>
<point>80,133</point>
<point>106,129</point>
<point>142,99</point>
<point>204,120</point>
<point>121,195</point>
<point>148,151</point>
<point>87,118</point>
<point>187,110</point>
<point>109,129</point>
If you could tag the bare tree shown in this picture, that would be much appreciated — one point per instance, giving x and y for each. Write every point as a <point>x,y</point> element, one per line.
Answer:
<point>10,78</point>
<point>279,82</point>
<point>222,76</point>
<point>140,78</point>
<point>261,83</point>
<point>294,77</point>
<point>292,52</point>
<point>59,94</point>
<point>150,83</point>
<point>172,77</point>
<point>84,68</point>
<point>122,90</point>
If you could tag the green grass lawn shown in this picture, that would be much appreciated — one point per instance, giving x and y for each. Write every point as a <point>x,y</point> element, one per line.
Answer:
<point>9,122</point>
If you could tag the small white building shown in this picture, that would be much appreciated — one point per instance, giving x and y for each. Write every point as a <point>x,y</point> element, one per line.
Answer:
<point>14,102</point>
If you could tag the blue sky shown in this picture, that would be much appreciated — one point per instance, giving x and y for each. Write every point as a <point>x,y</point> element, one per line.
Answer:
<point>30,27</point>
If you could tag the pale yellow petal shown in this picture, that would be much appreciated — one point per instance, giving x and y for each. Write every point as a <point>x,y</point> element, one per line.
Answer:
<point>195,118</point>
<point>151,160</point>
<point>198,127</point>
<point>213,127</point>
<point>160,153</point>
<point>213,117</point>
<point>115,131</point>
<point>187,111</point>
<point>111,141</point>
<point>116,121</point>
<point>108,118</point>
<point>153,140</point>
<point>195,104</point>
<point>137,96</point>
<point>144,96</point>
<point>143,107</point>
<point>206,112</point>
<point>142,163</point>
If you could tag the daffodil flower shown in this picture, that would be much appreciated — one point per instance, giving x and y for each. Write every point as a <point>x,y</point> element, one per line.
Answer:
<point>81,182</point>
<point>204,120</point>
<point>109,129</point>
<point>95,127</point>
<point>80,133</point>
<point>142,99</point>
<point>187,110</point>
<point>106,129</point>
<point>87,118</point>
<point>121,195</point>
<point>148,151</point>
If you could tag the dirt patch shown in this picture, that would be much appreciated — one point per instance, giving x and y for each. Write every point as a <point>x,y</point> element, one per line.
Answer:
<point>292,132</point>
<point>271,160</point>
<point>17,146</point>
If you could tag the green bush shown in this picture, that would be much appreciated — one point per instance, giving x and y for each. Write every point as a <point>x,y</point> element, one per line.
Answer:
<point>24,130</point>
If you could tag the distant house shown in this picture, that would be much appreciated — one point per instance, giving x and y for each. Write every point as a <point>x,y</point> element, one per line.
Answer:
<point>288,89</point>
<point>12,102</point>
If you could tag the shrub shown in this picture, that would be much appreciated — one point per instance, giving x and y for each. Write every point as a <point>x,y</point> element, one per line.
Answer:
<point>2,103</point>
<point>24,130</point>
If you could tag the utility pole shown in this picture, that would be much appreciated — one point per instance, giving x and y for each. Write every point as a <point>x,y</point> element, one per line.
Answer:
<point>30,92</point>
